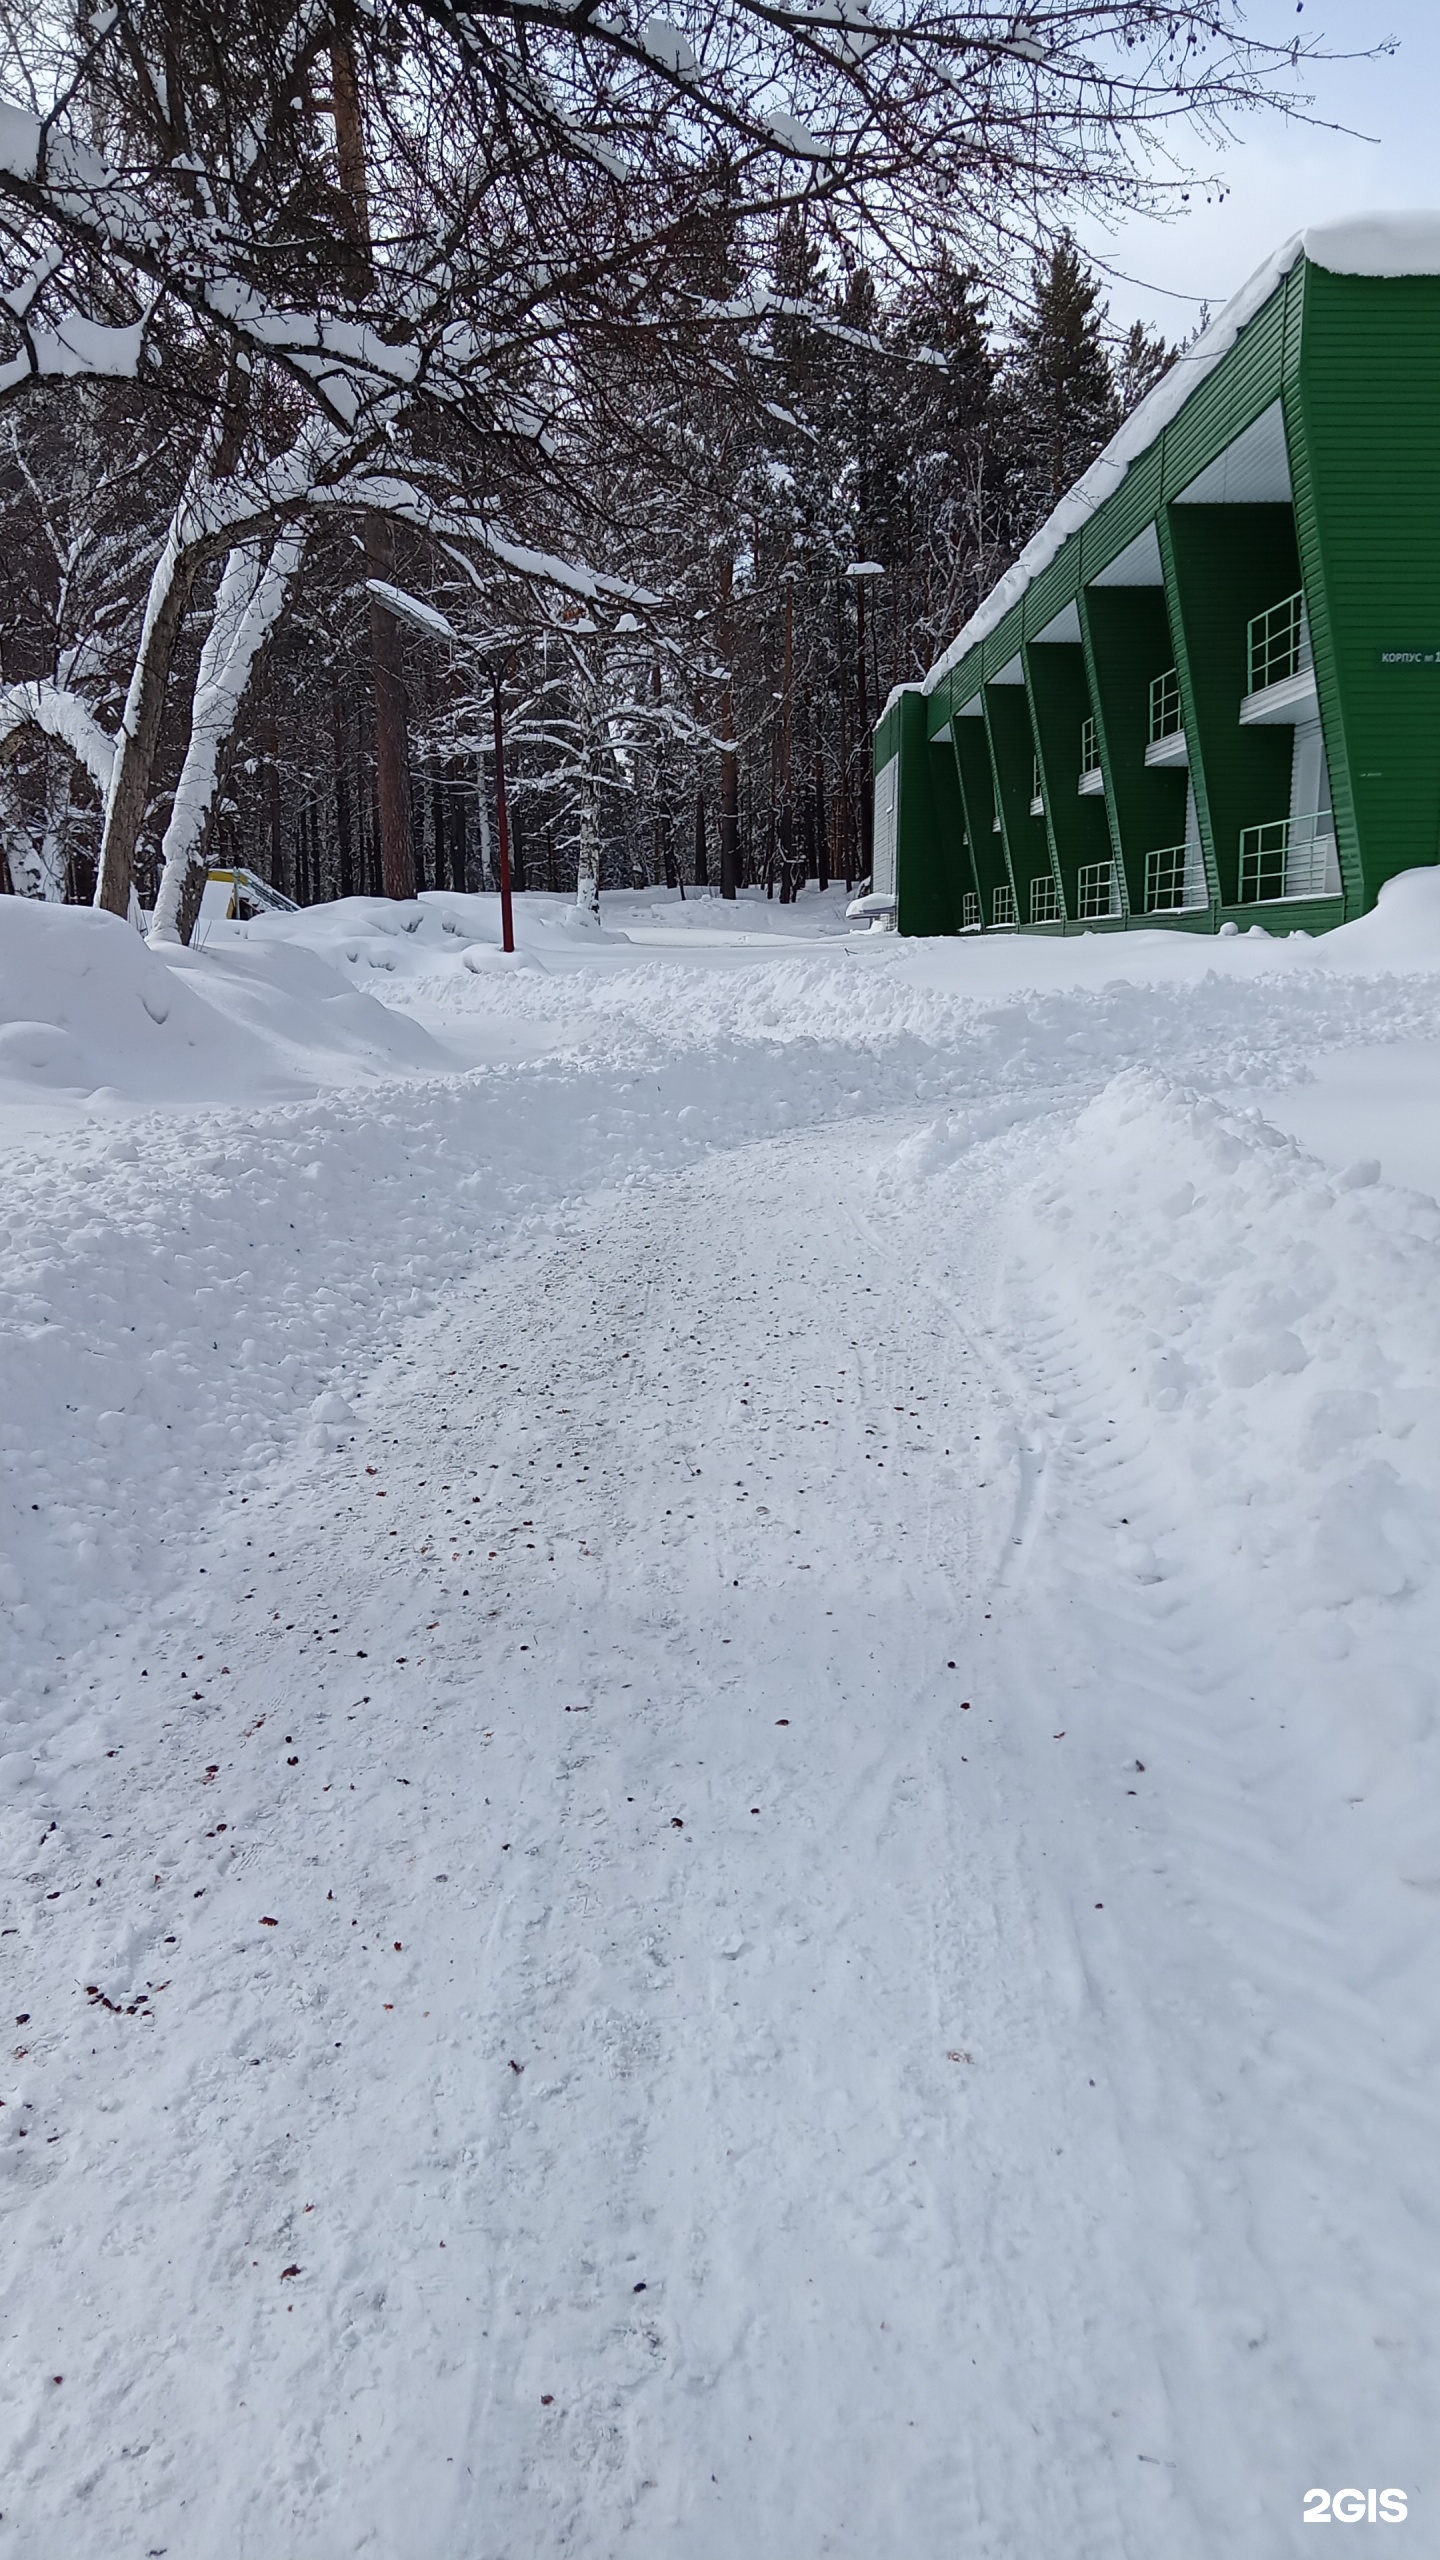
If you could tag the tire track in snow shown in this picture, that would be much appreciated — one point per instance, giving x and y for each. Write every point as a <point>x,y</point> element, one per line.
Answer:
<point>893,2302</point>
<point>733,2036</point>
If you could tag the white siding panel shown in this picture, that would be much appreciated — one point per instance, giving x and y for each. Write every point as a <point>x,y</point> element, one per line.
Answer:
<point>887,816</point>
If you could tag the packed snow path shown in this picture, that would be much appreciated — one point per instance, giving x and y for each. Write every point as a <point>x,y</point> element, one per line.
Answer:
<point>717,1932</point>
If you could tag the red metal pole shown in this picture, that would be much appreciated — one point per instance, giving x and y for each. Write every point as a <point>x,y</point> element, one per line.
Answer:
<point>502,828</point>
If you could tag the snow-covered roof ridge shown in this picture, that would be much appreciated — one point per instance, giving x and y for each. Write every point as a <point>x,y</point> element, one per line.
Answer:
<point>1371,244</point>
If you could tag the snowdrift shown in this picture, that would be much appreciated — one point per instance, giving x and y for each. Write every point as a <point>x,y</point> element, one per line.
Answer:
<point>87,1009</point>
<point>1282,1319</point>
<point>1269,1333</point>
<point>365,989</point>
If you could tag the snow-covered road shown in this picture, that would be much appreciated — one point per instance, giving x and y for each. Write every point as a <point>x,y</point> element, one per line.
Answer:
<point>727,1920</point>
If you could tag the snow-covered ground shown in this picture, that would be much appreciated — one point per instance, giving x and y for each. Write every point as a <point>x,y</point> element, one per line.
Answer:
<point>860,1521</point>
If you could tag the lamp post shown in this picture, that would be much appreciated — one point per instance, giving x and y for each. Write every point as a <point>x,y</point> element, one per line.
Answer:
<point>862,571</point>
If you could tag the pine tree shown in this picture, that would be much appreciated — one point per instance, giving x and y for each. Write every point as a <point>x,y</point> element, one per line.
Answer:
<point>1143,358</point>
<point>1060,391</point>
<point>954,466</point>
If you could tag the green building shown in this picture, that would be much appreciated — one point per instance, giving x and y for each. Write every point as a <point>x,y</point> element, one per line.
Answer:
<point>1209,690</point>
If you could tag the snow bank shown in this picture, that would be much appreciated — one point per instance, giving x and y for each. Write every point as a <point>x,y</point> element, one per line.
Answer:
<point>178,1292</point>
<point>365,990</point>
<point>1376,244</point>
<point>87,1009</point>
<point>1030,1008</point>
<point>1273,1331</point>
<point>409,938</point>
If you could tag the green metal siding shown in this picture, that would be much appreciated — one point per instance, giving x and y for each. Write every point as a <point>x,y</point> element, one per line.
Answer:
<point>1122,517</point>
<point>1230,398</point>
<point>928,821</point>
<point>1079,832</point>
<point>1223,564</point>
<point>1127,641</point>
<point>1012,756</point>
<point>1355,364</point>
<point>971,748</point>
<point>1050,592</point>
<point>1367,505</point>
<point>930,891</point>
<point>888,732</point>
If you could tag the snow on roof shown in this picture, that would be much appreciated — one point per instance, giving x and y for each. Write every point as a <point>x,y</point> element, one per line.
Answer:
<point>1371,244</point>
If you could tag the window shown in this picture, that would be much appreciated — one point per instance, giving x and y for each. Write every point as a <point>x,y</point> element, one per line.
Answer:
<point>1165,721</point>
<point>1045,907</point>
<point>1004,908</point>
<point>1277,642</point>
<point>1290,858</point>
<point>1175,879</point>
<point>969,911</point>
<point>1099,890</point>
<point>1089,747</point>
<point>1037,790</point>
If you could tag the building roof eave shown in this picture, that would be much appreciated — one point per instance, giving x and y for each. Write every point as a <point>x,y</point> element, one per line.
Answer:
<point>1377,244</point>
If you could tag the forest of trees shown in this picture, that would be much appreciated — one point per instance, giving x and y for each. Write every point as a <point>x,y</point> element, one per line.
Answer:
<point>371,376</point>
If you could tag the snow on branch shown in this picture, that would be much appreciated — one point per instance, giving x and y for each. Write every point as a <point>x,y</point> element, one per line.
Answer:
<point>345,360</point>
<point>459,531</point>
<point>666,45</point>
<point>75,348</point>
<point>399,601</point>
<point>59,714</point>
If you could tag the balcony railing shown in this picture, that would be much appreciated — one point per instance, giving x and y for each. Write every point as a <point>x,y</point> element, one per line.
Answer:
<point>1004,907</point>
<point>1275,643</point>
<point>1165,719</point>
<point>1045,906</point>
<point>969,911</point>
<point>1289,858</point>
<point>1098,891</point>
<point>1089,748</point>
<point>1175,882</point>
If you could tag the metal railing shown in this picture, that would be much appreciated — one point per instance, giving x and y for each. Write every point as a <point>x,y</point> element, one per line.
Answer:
<point>1165,719</point>
<point>1274,642</point>
<point>1175,880</point>
<point>1089,747</point>
<point>1004,907</point>
<point>969,911</point>
<point>1045,905</point>
<point>1098,891</point>
<point>1289,858</point>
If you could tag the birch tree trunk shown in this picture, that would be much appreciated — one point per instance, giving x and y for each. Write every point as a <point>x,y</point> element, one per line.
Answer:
<point>59,716</point>
<point>38,867</point>
<point>55,840</point>
<point>129,791</point>
<point>32,873</point>
<point>587,876</point>
<point>251,598</point>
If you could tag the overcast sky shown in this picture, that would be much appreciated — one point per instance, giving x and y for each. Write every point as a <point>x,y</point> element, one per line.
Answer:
<point>1281,177</point>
